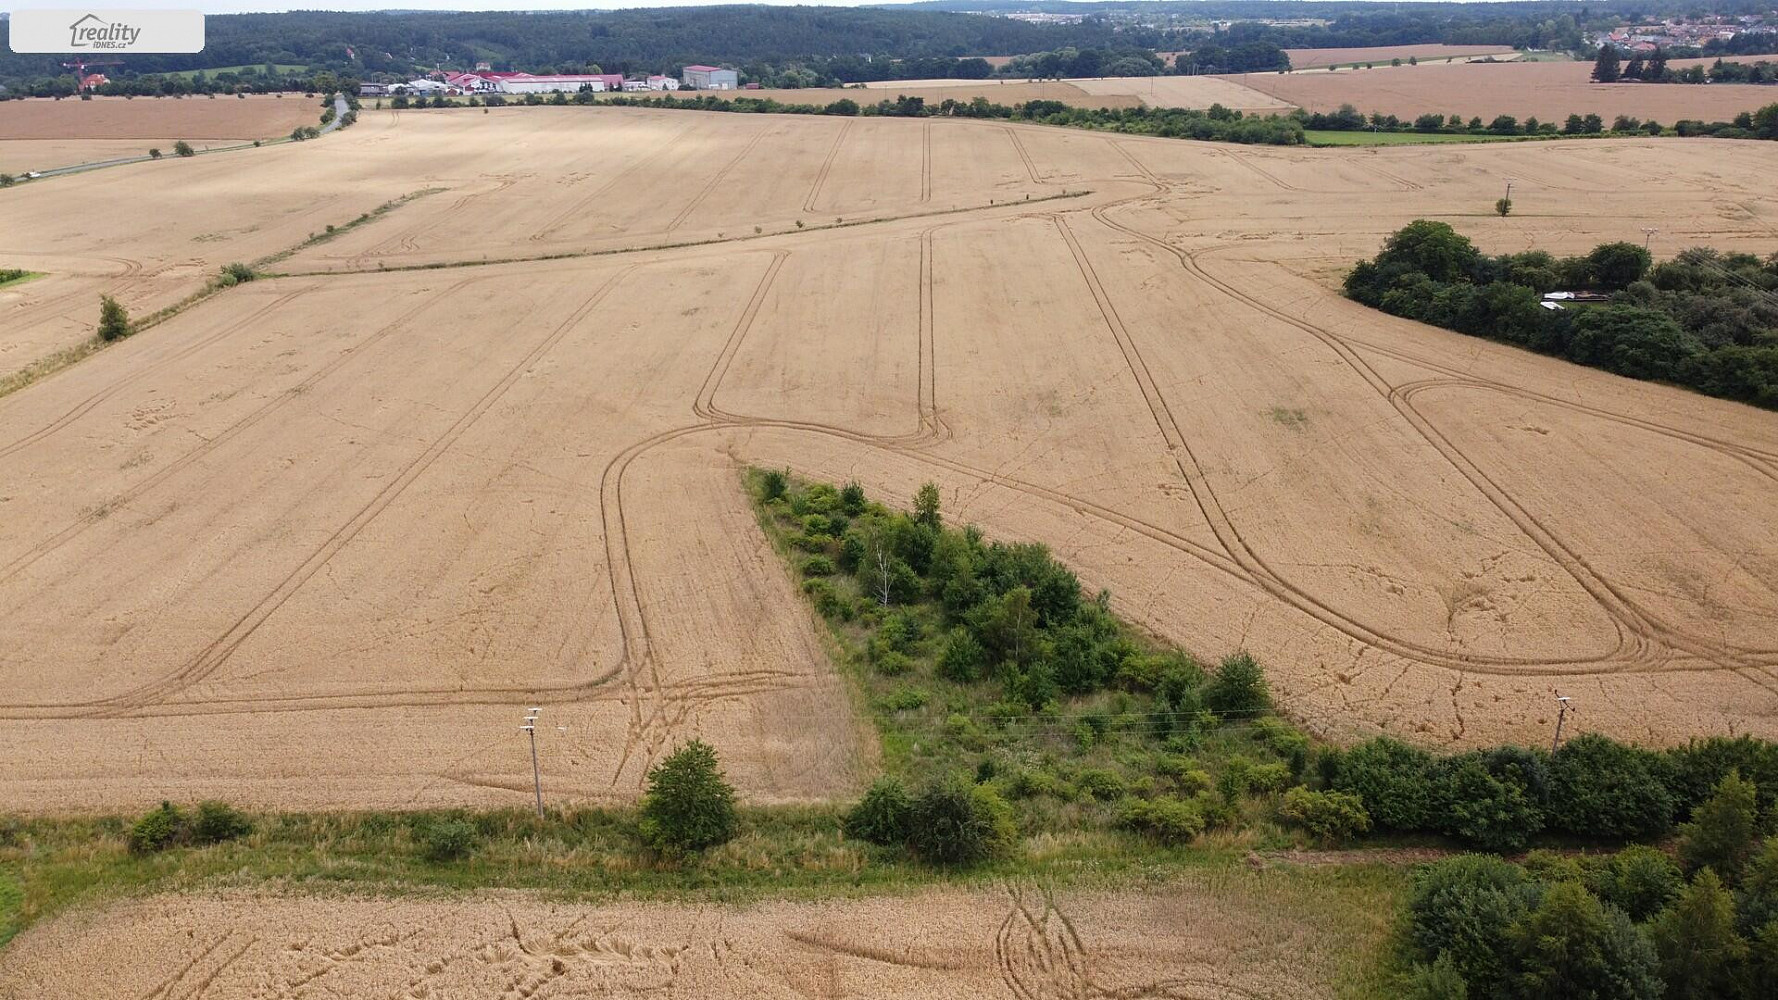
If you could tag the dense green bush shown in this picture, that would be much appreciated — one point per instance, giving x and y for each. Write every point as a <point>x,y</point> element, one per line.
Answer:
<point>1602,788</point>
<point>883,815</point>
<point>1391,779</point>
<point>689,805</point>
<point>1480,809</point>
<point>1169,820</point>
<point>442,841</point>
<point>954,824</point>
<point>216,822</point>
<point>1327,816</point>
<point>183,148</point>
<point>157,830</point>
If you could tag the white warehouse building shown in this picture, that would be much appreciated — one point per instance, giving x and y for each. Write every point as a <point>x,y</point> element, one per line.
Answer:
<point>710,78</point>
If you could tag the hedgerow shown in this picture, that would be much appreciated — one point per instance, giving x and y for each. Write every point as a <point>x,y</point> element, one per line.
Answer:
<point>1704,320</point>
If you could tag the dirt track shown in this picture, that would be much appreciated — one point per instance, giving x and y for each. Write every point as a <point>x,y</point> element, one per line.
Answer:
<point>1234,941</point>
<point>317,541</point>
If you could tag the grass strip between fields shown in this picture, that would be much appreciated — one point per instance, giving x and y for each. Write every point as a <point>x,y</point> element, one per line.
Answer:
<point>682,245</point>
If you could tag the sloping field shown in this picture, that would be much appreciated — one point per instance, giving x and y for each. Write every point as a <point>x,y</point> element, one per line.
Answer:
<point>1111,92</point>
<point>1548,91</point>
<point>935,91</point>
<point>192,118</point>
<point>1311,58</point>
<point>1238,939</point>
<point>20,155</point>
<point>317,541</point>
<point>1186,92</point>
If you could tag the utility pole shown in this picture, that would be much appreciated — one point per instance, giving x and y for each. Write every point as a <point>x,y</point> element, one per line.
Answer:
<point>1647,234</point>
<point>1561,715</point>
<point>530,727</point>
<point>1509,189</point>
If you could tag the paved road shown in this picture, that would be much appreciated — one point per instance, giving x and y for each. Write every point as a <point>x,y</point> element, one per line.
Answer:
<point>339,112</point>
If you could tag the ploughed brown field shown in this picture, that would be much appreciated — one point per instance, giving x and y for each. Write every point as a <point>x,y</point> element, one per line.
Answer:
<point>1548,91</point>
<point>320,539</point>
<point>1235,939</point>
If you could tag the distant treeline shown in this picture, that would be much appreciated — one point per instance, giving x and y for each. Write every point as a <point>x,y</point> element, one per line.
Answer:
<point>1609,66</point>
<point>1704,320</point>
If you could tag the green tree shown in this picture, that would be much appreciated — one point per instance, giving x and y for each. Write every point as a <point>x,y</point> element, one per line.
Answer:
<point>1464,909</point>
<point>1724,831</point>
<point>183,148</point>
<point>1757,902</point>
<point>1433,248</point>
<point>1638,880</point>
<point>114,319</point>
<point>1503,207</point>
<point>689,805</point>
<point>1607,68</point>
<point>926,506</point>
<point>1616,265</point>
<point>1701,955</point>
<point>1567,947</point>
<point>1238,688</point>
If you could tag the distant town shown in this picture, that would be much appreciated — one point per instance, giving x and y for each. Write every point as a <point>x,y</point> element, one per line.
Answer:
<point>485,80</point>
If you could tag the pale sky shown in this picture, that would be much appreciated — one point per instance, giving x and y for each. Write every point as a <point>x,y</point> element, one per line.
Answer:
<point>241,6</point>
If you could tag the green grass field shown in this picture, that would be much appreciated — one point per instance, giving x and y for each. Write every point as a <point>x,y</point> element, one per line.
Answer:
<point>10,277</point>
<point>283,69</point>
<point>1319,138</point>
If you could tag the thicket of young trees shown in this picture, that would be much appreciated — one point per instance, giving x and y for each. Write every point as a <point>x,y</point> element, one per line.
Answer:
<point>1704,320</point>
<point>1634,925</point>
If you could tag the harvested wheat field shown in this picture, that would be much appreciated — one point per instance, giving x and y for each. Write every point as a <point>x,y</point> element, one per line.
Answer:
<point>1007,92</point>
<point>191,118</point>
<point>1430,52</point>
<point>20,155</point>
<point>1178,942</point>
<point>317,540</point>
<point>1548,91</point>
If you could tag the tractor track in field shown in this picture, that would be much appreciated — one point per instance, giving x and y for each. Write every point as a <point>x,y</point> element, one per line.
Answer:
<point>19,563</point>
<point>833,152</point>
<point>1646,633</point>
<point>1254,567</point>
<point>717,180</point>
<point>81,408</point>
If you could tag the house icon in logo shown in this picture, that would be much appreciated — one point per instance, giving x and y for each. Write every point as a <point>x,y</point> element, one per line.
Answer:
<point>90,22</point>
<point>94,32</point>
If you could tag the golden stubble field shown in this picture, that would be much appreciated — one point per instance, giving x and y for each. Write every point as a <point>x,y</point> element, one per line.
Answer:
<point>1548,91</point>
<point>1181,940</point>
<point>319,540</point>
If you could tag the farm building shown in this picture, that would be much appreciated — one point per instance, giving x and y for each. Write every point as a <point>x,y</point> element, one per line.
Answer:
<point>710,78</point>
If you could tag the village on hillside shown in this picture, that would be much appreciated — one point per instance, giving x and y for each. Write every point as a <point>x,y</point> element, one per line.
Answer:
<point>486,80</point>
